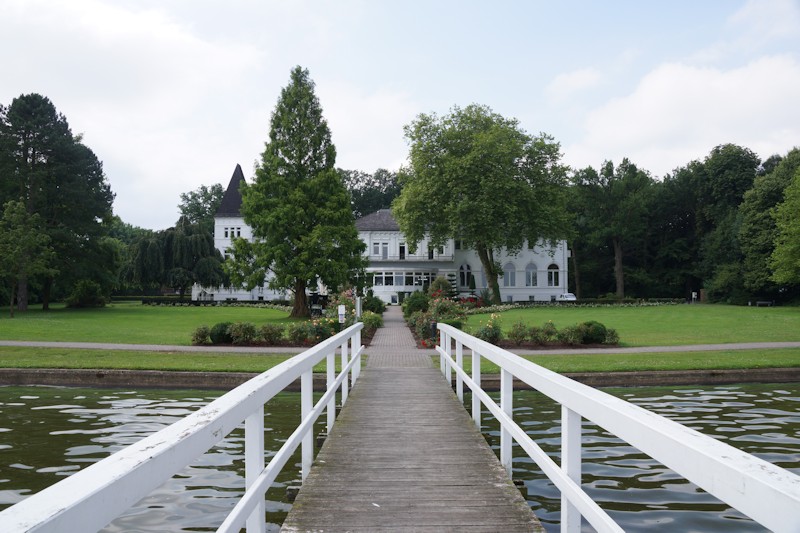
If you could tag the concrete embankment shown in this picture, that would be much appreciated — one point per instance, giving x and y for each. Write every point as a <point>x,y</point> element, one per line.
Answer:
<point>140,379</point>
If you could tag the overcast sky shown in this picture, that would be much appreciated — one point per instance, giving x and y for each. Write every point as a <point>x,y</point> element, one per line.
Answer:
<point>172,94</point>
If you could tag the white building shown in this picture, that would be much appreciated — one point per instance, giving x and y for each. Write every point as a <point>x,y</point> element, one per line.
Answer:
<point>537,273</point>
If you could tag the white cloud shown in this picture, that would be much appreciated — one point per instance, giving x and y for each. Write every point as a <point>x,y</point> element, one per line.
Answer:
<point>366,126</point>
<point>565,85</point>
<point>678,113</point>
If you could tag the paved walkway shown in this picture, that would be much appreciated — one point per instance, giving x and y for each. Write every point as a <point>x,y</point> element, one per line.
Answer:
<point>404,455</point>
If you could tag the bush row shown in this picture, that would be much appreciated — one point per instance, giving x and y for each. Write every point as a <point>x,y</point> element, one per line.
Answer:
<point>306,332</point>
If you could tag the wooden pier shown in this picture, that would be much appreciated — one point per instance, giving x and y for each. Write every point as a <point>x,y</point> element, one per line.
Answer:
<point>404,455</point>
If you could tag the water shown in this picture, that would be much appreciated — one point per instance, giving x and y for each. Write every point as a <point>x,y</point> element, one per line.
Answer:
<point>48,433</point>
<point>637,491</point>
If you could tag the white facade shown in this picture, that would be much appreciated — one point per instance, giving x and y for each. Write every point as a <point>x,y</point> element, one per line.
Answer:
<point>537,273</point>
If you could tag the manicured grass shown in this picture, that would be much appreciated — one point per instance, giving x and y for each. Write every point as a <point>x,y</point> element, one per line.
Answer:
<point>24,357</point>
<point>127,323</point>
<point>611,362</point>
<point>668,325</point>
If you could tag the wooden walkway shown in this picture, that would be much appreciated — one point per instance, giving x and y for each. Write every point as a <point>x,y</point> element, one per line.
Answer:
<point>405,456</point>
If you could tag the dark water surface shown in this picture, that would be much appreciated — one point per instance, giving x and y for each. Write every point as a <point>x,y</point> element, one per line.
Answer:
<point>47,433</point>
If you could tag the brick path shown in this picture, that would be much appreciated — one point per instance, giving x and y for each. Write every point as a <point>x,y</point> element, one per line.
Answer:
<point>393,346</point>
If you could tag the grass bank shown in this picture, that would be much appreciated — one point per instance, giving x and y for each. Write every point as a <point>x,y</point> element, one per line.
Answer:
<point>667,325</point>
<point>127,322</point>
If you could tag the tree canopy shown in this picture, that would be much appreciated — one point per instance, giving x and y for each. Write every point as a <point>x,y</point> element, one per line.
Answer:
<point>56,176</point>
<point>297,206</point>
<point>200,205</point>
<point>24,247</point>
<point>477,176</point>
<point>785,259</point>
<point>370,192</point>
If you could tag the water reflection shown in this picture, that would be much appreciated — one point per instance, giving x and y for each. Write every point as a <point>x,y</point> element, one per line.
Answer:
<point>47,433</point>
<point>640,493</point>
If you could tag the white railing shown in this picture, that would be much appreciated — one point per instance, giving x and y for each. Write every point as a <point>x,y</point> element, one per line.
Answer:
<point>90,499</point>
<point>766,493</point>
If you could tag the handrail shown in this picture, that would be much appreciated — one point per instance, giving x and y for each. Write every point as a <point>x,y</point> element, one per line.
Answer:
<point>91,498</point>
<point>765,492</point>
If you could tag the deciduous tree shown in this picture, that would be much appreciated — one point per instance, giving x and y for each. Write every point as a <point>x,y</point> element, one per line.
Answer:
<point>24,247</point>
<point>477,176</point>
<point>200,205</point>
<point>785,259</point>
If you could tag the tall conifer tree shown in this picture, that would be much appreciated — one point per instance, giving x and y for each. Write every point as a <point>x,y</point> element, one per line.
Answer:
<point>298,207</point>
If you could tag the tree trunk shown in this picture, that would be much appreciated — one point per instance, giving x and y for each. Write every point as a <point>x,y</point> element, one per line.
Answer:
<point>300,308</point>
<point>13,293</point>
<point>46,290</point>
<point>487,261</point>
<point>576,273</point>
<point>618,274</point>
<point>22,293</point>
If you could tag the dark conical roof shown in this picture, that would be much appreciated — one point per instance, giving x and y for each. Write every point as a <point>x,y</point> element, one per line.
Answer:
<point>381,220</point>
<point>231,204</point>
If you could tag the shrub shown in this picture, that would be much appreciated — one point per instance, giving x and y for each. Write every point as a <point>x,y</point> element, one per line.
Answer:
<point>537,335</point>
<point>612,337</point>
<point>490,331</point>
<point>570,335</point>
<point>455,322</point>
<point>321,328</point>
<point>219,333</point>
<point>518,333</point>
<point>201,335</point>
<point>593,332</point>
<point>373,304</point>
<point>242,333</point>
<point>416,301</point>
<point>443,309</point>
<point>87,293</point>
<point>272,333</point>
<point>422,326</point>
<point>440,287</point>
<point>299,332</point>
<point>371,320</point>
<point>549,331</point>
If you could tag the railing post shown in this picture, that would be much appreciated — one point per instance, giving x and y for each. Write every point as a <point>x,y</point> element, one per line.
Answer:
<point>460,364</point>
<point>254,465</point>
<point>442,359</point>
<point>571,465</point>
<point>476,377</point>
<point>356,345</point>
<point>506,405</point>
<point>306,404</point>
<point>344,364</point>
<point>330,377</point>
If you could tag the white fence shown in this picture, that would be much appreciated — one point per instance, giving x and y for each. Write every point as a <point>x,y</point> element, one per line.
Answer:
<point>767,493</point>
<point>90,499</point>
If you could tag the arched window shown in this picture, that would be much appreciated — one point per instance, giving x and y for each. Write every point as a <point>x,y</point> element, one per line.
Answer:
<point>552,276</point>
<point>509,275</point>
<point>531,275</point>
<point>464,273</point>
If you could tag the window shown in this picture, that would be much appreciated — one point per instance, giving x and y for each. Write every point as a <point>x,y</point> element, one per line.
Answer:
<point>464,273</point>
<point>509,275</point>
<point>402,251</point>
<point>457,244</point>
<point>430,252</point>
<point>384,250</point>
<point>376,248</point>
<point>552,276</point>
<point>226,233</point>
<point>239,232</point>
<point>530,275</point>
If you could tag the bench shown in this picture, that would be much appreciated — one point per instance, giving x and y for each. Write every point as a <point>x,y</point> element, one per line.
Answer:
<point>764,303</point>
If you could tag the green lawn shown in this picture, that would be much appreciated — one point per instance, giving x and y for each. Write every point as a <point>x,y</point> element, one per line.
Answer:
<point>611,362</point>
<point>126,322</point>
<point>669,325</point>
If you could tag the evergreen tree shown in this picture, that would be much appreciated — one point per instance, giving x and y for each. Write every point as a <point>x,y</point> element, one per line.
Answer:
<point>57,177</point>
<point>297,206</point>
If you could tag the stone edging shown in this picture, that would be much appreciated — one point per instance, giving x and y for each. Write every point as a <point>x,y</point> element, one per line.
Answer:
<point>229,380</point>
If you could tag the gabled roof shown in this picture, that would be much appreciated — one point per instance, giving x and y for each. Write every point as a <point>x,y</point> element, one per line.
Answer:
<point>231,204</point>
<point>381,220</point>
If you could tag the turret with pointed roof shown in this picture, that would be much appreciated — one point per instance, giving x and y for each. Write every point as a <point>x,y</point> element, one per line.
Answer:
<point>231,205</point>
